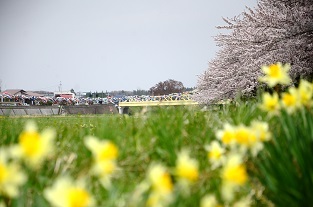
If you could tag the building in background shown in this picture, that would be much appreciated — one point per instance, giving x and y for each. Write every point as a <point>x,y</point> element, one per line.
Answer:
<point>64,94</point>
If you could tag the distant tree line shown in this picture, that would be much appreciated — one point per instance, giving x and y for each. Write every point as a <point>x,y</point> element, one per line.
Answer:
<point>162,88</point>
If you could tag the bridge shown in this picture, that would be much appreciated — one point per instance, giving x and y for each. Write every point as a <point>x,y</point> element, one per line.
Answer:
<point>166,100</point>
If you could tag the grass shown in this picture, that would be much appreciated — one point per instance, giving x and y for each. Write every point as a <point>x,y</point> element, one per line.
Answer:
<point>290,173</point>
<point>157,135</point>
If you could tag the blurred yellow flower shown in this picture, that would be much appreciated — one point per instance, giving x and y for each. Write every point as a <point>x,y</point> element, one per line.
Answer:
<point>276,74</point>
<point>233,174</point>
<point>161,185</point>
<point>101,149</point>
<point>160,179</point>
<point>11,176</point>
<point>244,202</point>
<point>262,130</point>
<point>244,136</point>
<point>34,147</point>
<point>248,138</point>
<point>186,167</point>
<point>209,201</point>
<point>290,100</point>
<point>105,154</point>
<point>104,170</point>
<point>156,199</point>
<point>305,91</point>
<point>66,193</point>
<point>270,103</point>
<point>227,134</point>
<point>215,154</point>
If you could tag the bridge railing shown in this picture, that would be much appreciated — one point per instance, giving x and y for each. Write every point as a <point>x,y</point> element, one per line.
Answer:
<point>165,100</point>
<point>157,98</point>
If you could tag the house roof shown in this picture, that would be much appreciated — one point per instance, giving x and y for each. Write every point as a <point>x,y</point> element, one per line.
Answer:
<point>30,93</point>
<point>12,92</point>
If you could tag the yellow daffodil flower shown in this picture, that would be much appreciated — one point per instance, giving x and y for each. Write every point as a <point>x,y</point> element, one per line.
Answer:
<point>105,154</point>
<point>276,74</point>
<point>101,149</point>
<point>291,100</point>
<point>227,134</point>
<point>186,167</point>
<point>161,185</point>
<point>160,179</point>
<point>209,201</point>
<point>244,136</point>
<point>215,154</point>
<point>104,170</point>
<point>262,130</point>
<point>247,138</point>
<point>66,193</point>
<point>270,103</point>
<point>34,147</point>
<point>156,199</point>
<point>233,175</point>
<point>305,91</point>
<point>11,176</point>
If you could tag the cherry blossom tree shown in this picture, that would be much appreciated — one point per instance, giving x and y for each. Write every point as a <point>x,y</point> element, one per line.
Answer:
<point>274,31</point>
<point>167,87</point>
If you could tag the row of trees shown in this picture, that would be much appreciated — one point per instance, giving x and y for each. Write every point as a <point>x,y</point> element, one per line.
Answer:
<point>275,31</point>
<point>102,94</point>
<point>162,88</point>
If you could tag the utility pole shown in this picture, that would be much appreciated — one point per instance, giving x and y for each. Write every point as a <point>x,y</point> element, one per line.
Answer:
<point>60,87</point>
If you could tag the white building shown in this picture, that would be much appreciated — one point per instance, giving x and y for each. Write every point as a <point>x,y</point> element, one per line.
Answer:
<point>64,94</point>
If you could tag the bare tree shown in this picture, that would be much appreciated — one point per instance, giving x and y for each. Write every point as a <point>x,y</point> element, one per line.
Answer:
<point>167,87</point>
<point>275,31</point>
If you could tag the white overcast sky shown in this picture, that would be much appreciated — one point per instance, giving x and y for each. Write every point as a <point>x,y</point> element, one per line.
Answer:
<point>95,45</point>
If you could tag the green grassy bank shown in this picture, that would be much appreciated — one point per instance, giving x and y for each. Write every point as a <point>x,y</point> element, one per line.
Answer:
<point>157,135</point>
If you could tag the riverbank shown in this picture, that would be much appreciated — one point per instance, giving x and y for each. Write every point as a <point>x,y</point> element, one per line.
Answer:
<point>57,110</point>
